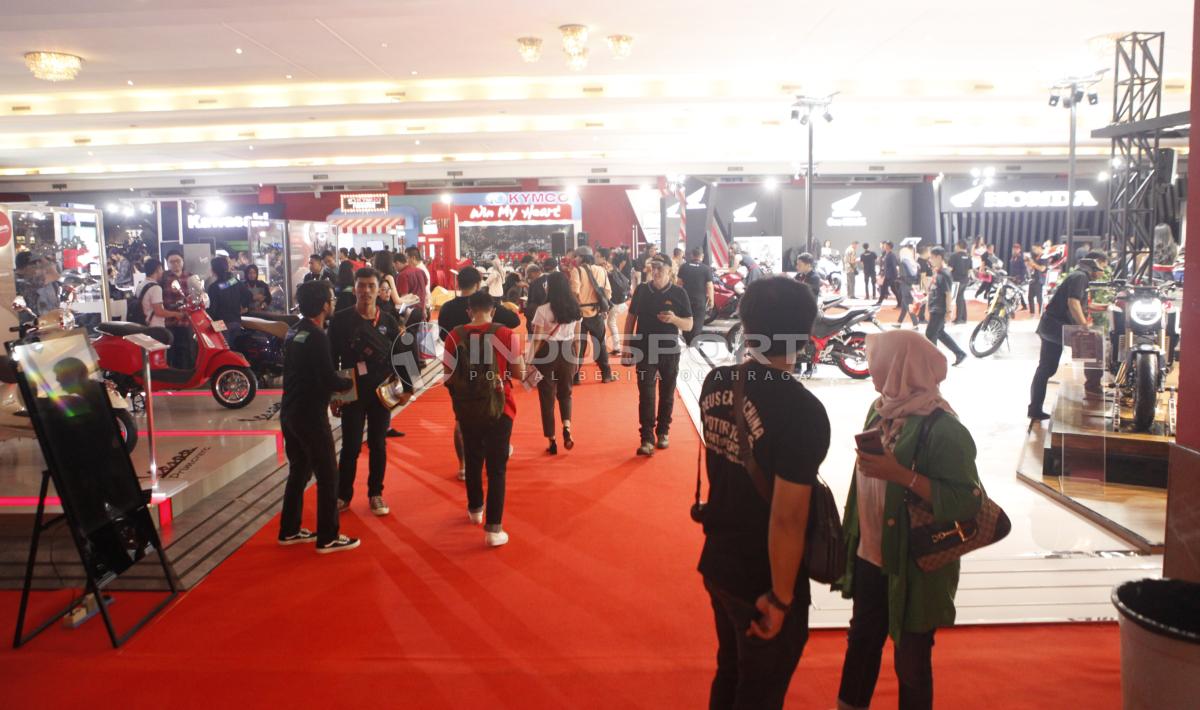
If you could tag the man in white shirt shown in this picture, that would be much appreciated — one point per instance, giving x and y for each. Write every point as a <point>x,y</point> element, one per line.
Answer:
<point>152,296</point>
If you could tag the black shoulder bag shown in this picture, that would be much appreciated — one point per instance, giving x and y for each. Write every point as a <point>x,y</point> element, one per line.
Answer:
<point>824,547</point>
<point>935,544</point>
<point>603,304</point>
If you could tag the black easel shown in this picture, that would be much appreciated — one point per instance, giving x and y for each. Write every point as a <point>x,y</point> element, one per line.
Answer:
<point>93,587</point>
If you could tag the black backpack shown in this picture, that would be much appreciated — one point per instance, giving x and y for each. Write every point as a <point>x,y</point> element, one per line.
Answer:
<point>476,385</point>
<point>134,313</point>
<point>619,284</point>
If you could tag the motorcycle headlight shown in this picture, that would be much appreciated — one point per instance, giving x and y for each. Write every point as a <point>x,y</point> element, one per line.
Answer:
<point>1146,311</point>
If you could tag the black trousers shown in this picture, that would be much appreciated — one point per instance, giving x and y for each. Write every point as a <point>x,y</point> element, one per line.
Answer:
<point>936,332</point>
<point>179,352</point>
<point>663,368</point>
<point>557,375</point>
<point>912,657</point>
<point>592,329</point>
<point>904,300</point>
<point>699,312</point>
<point>487,445</point>
<point>1047,366</point>
<point>369,412</point>
<point>752,674</point>
<point>869,284</point>
<point>960,302</point>
<point>1036,295</point>
<point>309,448</point>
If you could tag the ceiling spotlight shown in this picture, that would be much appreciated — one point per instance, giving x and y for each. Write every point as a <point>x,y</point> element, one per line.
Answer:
<point>530,48</point>
<point>827,116</point>
<point>238,50</point>
<point>1093,98</point>
<point>130,82</point>
<point>574,38</point>
<point>445,198</point>
<point>1115,163</point>
<point>771,183</point>
<point>621,45</point>
<point>989,171</point>
<point>287,76</point>
<point>1054,99</point>
<point>804,119</point>
<point>578,62</point>
<point>1102,176</point>
<point>795,114</point>
<point>1078,96</point>
<point>53,66</point>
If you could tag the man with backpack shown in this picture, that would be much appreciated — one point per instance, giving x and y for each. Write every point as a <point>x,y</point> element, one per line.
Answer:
<point>619,283</point>
<point>481,360</point>
<point>696,278</point>
<point>765,437</point>
<point>589,283</point>
<point>147,308</point>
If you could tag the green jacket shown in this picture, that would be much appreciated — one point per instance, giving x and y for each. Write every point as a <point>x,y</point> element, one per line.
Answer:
<point>919,601</point>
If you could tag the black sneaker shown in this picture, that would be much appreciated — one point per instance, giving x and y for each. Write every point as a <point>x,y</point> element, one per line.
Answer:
<point>960,359</point>
<point>303,535</point>
<point>646,449</point>
<point>1039,416</point>
<point>663,441</point>
<point>341,544</point>
<point>394,434</point>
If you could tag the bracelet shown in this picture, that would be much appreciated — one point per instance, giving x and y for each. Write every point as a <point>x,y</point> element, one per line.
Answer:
<point>777,602</point>
<point>913,482</point>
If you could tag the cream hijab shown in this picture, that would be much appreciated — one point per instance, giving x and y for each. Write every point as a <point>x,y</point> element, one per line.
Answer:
<point>907,370</point>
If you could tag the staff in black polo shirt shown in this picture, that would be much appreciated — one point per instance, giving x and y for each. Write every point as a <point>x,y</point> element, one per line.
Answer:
<point>1066,307</point>
<point>938,304</point>
<point>657,314</point>
<point>362,339</point>
<point>696,278</point>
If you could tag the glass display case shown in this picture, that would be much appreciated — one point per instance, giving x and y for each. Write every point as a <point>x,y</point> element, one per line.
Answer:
<point>268,251</point>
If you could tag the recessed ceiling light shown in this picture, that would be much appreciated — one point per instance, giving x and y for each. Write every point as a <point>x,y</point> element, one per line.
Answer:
<point>418,141</point>
<point>130,82</point>
<point>287,76</point>
<point>238,50</point>
<point>383,44</point>
<point>90,153</point>
<point>413,72</point>
<point>250,147</point>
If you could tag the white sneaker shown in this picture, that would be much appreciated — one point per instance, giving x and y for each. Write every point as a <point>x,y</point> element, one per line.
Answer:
<point>341,544</point>
<point>378,506</point>
<point>495,539</point>
<point>476,516</point>
<point>462,474</point>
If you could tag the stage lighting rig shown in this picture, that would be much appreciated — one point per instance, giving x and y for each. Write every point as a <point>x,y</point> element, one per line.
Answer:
<point>806,107</point>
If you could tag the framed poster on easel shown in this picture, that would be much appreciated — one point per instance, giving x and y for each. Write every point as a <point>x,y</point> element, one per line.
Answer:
<point>103,504</point>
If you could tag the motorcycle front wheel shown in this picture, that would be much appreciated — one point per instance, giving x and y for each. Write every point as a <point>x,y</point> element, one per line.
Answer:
<point>852,360</point>
<point>234,387</point>
<point>1145,392</point>
<point>126,428</point>
<point>989,335</point>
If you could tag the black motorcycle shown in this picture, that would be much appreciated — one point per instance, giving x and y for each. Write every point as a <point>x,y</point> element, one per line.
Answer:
<point>1141,357</point>
<point>992,332</point>
<point>261,341</point>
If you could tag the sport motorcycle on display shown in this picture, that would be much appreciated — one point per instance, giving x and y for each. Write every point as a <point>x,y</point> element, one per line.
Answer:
<point>992,332</point>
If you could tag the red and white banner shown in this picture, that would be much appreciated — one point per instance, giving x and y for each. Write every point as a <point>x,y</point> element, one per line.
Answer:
<point>718,243</point>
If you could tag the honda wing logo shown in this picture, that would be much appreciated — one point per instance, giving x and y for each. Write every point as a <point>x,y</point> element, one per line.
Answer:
<point>695,201</point>
<point>844,214</point>
<point>746,213</point>
<point>1018,199</point>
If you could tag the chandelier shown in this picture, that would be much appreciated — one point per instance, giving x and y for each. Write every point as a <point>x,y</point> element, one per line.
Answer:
<point>53,66</point>
<point>578,62</point>
<point>530,48</point>
<point>620,45</point>
<point>574,39</point>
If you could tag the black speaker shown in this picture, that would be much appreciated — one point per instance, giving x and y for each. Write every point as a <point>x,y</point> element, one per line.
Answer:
<point>558,244</point>
<point>1165,166</point>
<point>582,240</point>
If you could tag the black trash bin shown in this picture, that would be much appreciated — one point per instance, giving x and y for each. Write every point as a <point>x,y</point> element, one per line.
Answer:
<point>1160,643</point>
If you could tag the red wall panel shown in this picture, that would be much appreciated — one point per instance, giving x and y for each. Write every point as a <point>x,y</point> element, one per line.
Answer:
<point>607,215</point>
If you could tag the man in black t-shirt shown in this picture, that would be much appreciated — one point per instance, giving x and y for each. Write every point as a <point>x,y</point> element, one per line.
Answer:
<point>807,276</point>
<point>1067,307</point>
<point>1036,265</point>
<point>696,278</point>
<point>868,258</point>
<point>960,271</point>
<point>362,338</point>
<point>658,312</point>
<point>938,304</point>
<point>760,592</point>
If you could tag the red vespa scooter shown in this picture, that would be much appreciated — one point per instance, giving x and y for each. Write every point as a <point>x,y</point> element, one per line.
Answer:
<point>229,376</point>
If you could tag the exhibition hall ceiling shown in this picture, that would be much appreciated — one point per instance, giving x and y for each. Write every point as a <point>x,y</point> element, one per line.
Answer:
<point>421,89</point>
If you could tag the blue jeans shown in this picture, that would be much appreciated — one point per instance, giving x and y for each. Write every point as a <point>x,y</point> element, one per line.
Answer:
<point>752,673</point>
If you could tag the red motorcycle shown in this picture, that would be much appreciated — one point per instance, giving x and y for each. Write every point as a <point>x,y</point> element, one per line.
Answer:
<point>230,378</point>
<point>727,294</point>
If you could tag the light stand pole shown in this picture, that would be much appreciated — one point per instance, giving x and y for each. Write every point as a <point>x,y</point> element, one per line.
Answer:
<point>1071,176</point>
<point>804,110</point>
<point>808,191</point>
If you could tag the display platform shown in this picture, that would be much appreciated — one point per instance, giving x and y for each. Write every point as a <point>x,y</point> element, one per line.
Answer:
<point>1114,477</point>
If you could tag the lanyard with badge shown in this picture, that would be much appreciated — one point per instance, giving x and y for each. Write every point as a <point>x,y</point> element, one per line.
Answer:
<point>365,348</point>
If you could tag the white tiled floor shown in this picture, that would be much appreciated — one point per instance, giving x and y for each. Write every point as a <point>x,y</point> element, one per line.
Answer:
<point>1054,566</point>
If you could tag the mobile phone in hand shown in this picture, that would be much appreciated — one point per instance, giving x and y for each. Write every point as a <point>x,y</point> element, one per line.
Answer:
<point>870,441</point>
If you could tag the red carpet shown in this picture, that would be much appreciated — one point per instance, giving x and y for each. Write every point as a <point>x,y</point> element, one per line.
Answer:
<point>594,604</point>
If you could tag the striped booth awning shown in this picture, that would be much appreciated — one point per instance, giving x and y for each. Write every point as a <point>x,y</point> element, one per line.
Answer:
<point>368,225</point>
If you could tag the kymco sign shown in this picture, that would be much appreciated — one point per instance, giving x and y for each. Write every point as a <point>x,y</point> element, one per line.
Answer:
<point>527,198</point>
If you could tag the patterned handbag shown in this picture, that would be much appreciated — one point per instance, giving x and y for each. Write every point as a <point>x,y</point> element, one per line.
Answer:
<point>935,544</point>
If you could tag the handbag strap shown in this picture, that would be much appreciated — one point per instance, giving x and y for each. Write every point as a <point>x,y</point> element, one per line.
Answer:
<point>745,453</point>
<point>923,437</point>
<point>699,461</point>
<point>600,297</point>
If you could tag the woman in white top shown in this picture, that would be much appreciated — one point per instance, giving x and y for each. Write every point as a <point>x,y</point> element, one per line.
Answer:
<point>552,336</point>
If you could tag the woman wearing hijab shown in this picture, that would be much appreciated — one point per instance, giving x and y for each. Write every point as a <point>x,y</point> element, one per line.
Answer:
<point>892,595</point>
